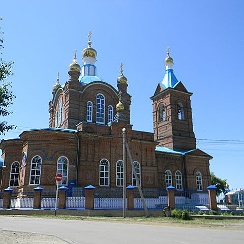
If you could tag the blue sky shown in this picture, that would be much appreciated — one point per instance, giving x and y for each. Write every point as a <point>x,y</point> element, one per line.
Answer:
<point>206,39</point>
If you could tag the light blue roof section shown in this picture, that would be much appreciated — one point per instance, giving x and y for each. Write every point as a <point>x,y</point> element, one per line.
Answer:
<point>169,79</point>
<point>167,150</point>
<point>55,129</point>
<point>86,79</point>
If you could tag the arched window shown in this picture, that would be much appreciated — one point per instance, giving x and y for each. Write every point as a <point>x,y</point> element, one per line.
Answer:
<point>100,115</point>
<point>35,171</point>
<point>119,173</point>
<point>199,181</point>
<point>110,113</point>
<point>168,178</point>
<point>63,168</point>
<point>14,174</point>
<point>89,111</point>
<point>138,173</point>
<point>59,115</point>
<point>178,180</point>
<point>104,173</point>
<point>162,113</point>
<point>56,119</point>
<point>180,111</point>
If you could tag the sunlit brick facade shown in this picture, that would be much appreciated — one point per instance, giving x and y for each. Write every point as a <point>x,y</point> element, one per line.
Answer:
<point>84,138</point>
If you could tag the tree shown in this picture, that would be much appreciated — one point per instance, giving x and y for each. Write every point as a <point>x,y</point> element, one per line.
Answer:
<point>6,95</point>
<point>219,183</point>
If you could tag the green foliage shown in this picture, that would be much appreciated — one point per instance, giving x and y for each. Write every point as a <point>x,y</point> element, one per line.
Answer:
<point>6,95</point>
<point>213,212</point>
<point>219,183</point>
<point>200,212</point>
<point>181,214</point>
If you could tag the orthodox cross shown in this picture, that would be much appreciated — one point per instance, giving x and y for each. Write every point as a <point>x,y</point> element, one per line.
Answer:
<point>168,50</point>
<point>121,68</point>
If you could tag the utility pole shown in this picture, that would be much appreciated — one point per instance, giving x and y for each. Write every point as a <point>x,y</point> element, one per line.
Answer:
<point>124,172</point>
<point>137,181</point>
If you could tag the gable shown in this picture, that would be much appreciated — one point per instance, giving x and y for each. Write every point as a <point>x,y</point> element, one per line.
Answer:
<point>158,90</point>
<point>199,153</point>
<point>180,87</point>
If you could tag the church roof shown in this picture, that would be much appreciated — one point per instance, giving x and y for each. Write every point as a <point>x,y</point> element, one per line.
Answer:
<point>86,79</point>
<point>169,79</point>
<point>167,150</point>
<point>193,152</point>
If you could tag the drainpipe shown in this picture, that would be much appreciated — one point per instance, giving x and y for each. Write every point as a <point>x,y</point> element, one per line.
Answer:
<point>184,171</point>
<point>78,156</point>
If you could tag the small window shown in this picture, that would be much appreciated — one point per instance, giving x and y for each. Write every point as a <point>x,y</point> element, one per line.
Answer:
<point>59,114</point>
<point>62,168</point>
<point>162,113</point>
<point>199,181</point>
<point>35,171</point>
<point>100,111</point>
<point>110,113</point>
<point>180,111</point>
<point>168,178</point>
<point>104,173</point>
<point>178,180</point>
<point>14,174</point>
<point>119,173</point>
<point>138,174</point>
<point>89,111</point>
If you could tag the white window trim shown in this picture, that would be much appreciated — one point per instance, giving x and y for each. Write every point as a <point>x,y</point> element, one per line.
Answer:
<point>62,171</point>
<point>120,173</point>
<point>199,181</point>
<point>168,173</point>
<point>35,170</point>
<point>137,173</point>
<point>102,107</point>
<point>108,178</point>
<point>110,113</point>
<point>89,111</point>
<point>16,175</point>
<point>178,185</point>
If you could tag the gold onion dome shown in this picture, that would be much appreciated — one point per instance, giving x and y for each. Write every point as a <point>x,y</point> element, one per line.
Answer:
<point>89,51</point>
<point>119,106</point>
<point>122,79</point>
<point>168,59</point>
<point>74,66</point>
<point>57,84</point>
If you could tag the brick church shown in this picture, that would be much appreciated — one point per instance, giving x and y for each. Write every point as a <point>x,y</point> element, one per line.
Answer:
<point>84,138</point>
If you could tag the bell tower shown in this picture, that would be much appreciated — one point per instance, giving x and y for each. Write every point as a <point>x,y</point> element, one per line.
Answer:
<point>172,114</point>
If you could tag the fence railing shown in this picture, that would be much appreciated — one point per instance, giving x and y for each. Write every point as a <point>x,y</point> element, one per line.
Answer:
<point>75,202</point>
<point>113,199</point>
<point>108,203</point>
<point>22,202</point>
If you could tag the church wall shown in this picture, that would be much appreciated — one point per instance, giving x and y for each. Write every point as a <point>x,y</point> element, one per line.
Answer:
<point>11,152</point>
<point>194,164</point>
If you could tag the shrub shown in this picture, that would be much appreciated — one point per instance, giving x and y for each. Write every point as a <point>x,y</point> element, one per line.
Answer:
<point>200,213</point>
<point>181,214</point>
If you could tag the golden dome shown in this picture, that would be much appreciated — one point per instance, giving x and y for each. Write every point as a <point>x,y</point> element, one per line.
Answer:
<point>122,79</point>
<point>56,85</point>
<point>119,106</point>
<point>74,66</point>
<point>89,51</point>
<point>168,59</point>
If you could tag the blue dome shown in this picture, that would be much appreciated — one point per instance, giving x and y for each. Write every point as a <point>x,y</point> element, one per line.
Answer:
<point>86,79</point>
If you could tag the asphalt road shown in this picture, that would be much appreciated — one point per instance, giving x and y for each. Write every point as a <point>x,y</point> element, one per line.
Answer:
<point>53,231</point>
